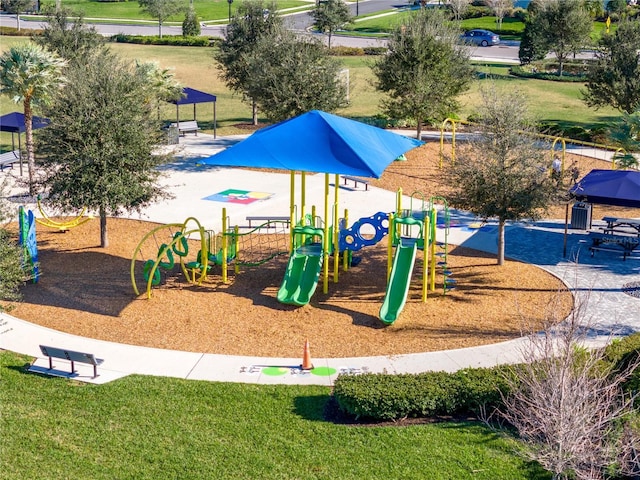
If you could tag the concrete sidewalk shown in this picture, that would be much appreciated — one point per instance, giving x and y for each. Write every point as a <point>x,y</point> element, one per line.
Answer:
<point>598,281</point>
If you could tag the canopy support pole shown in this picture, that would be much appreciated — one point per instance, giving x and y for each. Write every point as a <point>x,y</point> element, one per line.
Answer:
<point>566,227</point>
<point>336,231</point>
<point>325,240</point>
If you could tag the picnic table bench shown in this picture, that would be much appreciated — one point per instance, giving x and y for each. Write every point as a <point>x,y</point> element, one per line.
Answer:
<point>609,242</point>
<point>9,158</point>
<point>72,356</point>
<point>356,181</point>
<point>622,225</point>
<point>184,127</point>
<point>268,218</point>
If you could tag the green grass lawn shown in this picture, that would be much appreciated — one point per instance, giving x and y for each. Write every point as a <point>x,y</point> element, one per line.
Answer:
<point>160,428</point>
<point>206,10</point>
<point>194,67</point>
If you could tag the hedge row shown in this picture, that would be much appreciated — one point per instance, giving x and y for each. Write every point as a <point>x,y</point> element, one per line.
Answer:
<point>379,396</point>
<point>23,32</point>
<point>571,72</point>
<point>389,397</point>
<point>357,51</point>
<point>175,40</point>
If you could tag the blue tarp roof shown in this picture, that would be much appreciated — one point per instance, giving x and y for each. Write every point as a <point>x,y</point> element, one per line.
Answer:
<point>318,142</point>
<point>14,122</point>
<point>609,187</point>
<point>192,95</point>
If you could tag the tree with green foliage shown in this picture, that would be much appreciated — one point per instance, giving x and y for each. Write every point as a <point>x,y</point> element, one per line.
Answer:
<point>564,26</point>
<point>425,69</point>
<point>32,75</point>
<point>626,134</point>
<point>67,34</point>
<point>533,45</point>
<point>11,273</point>
<point>98,150</point>
<point>243,33</point>
<point>289,76</point>
<point>16,7</point>
<point>503,173</point>
<point>614,80</point>
<point>161,10</point>
<point>329,16</point>
<point>163,87</point>
<point>190,24</point>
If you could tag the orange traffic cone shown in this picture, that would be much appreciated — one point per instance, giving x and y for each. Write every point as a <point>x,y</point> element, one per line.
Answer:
<point>306,358</point>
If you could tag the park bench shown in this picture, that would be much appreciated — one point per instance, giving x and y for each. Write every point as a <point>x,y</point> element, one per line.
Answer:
<point>268,218</point>
<point>72,356</point>
<point>9,158</point>
<point>356,181</point>
<point>184,127</point>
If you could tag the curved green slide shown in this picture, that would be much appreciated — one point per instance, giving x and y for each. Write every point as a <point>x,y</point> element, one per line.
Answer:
<point>399,281</point>
<point>301,278</point>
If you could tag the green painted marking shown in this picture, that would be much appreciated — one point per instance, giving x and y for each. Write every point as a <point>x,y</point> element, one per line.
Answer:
<point>323,371</point>
<point>275,371</point>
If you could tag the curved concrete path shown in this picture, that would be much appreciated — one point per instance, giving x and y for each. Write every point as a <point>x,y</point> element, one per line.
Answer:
<point>597,282</point>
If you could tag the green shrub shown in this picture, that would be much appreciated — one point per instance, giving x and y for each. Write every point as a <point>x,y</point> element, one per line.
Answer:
<point>477,12</point>
<point>375,50</point>
<point>23,32</point>
<point>547,72</point>
<point>341,51</point>
<point>174,40</point>
<point>621,353</point>
<point>389,397</point>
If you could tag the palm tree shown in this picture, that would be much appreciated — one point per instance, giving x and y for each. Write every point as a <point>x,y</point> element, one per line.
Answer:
<point>30,74</point>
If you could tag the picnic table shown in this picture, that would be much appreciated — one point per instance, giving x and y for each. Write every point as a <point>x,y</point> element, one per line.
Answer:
<point>620,235</point>
<point>621,225</point>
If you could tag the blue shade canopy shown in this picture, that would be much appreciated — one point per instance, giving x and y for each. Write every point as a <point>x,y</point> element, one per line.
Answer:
<point>318,142</point>
<point>191,95</point>
<point>14,122</point>
<point>609,187</point>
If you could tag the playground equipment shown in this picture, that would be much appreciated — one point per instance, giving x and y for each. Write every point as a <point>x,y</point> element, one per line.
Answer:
<point>242,248</point>
<point>399,277</point>
<point>47,221</point>
<point>400,265</point>
<point>303,270</point>
<point>178,245</point>
<point>28,242</point>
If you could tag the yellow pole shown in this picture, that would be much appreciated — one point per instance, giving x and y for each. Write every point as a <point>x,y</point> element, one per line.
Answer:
<point>236,248</point>
<point>325,240</point>
<point>292,207</point>
<point>224,245</point>
<point>336,249</point>
<point>345,256</point>
<point>453,142</point>
<point>432,235</point>
<point>303,197</point>
<point>425,257</point>
<point>398,204</point>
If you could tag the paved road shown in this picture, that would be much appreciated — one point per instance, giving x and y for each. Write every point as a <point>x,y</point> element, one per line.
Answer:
<point>507,53</point>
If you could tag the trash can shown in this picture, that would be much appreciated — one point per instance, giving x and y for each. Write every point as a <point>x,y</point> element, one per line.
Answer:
<point>173,136</point>
<point>581,216</point>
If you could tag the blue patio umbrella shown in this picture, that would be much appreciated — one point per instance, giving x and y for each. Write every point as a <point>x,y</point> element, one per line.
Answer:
<point>318,142</point>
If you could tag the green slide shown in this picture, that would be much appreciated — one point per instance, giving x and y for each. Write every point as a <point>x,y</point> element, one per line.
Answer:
<point>301,278</point>
<point>398,286</point>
